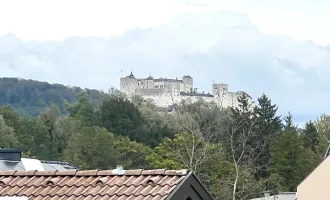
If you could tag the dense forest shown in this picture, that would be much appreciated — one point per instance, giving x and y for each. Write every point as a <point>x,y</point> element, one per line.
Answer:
<point>237,153</point>
<point>28,97</point>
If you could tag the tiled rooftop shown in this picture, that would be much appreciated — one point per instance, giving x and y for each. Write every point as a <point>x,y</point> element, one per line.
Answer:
<point>93,184</point>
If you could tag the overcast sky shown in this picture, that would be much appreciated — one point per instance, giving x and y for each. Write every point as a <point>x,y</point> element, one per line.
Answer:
<point>275,47</point>
<point>57,19</point>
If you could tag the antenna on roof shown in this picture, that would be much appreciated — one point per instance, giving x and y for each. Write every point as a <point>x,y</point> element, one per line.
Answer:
<point>121,73</point>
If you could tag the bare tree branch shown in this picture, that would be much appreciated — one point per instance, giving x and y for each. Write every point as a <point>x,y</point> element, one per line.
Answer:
<point>239,143</point>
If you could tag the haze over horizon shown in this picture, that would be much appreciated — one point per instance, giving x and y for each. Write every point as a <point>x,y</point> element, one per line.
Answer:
<point>210,45</point>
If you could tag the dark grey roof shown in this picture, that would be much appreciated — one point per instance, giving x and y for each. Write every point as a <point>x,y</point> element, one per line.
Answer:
<point>11,165</point>
<point>6,165</point>
<point>131,75</point>
<point>57,165</point>
<point>187,76</point>
<point>150,78</point>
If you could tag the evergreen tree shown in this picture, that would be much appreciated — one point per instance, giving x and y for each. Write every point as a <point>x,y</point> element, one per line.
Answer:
<point>268,125</point>
<point>310,137</point>
<point>243,110</point>
<point>285,153</point>
<point>289,125</point>
<point>290,160</point>
<point>240,129</point>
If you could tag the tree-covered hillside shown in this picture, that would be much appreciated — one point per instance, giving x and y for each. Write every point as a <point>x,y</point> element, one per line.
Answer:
<point>29,96</point>
<point>237,153</point>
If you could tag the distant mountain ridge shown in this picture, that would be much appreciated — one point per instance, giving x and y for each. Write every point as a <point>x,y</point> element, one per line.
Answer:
<point>28,97</point>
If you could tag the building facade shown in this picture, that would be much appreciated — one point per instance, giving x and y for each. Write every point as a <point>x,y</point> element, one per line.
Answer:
<point>279,196</point>
<point>165,92</point>
<point>315,185</point>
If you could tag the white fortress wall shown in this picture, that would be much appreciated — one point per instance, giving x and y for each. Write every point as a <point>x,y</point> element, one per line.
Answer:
<point>166,92</point>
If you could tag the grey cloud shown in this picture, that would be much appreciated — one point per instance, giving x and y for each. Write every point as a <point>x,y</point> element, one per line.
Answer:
<point>219,46</point>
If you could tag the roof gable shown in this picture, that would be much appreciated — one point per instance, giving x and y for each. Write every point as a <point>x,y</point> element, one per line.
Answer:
<point>315,182</point>
<point>94,184</point>
<point>190,188</point>
<point>324,158</point>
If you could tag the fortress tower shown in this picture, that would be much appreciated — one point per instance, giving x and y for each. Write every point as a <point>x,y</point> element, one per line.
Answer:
<point>166,92</point>
<point>188,84</point>
<point>128,84</point>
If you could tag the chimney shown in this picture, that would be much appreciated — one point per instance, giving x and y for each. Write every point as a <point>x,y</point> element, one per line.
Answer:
<point>10,154</point>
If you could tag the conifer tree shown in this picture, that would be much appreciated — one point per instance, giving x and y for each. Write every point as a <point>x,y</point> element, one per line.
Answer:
<point>290,160</point>
<point>268,126</point>
<point>310,137</point>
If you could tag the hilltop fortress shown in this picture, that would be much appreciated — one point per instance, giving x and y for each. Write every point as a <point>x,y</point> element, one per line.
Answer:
<point>166,92</point>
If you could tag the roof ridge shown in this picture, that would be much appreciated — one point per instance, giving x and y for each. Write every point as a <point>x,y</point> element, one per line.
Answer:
<point>73,172</point>
<point>83,185</point>
<point>95,195</point>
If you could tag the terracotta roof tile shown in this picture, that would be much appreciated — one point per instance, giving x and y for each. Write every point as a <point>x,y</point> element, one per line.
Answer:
<point>6,173</point>
<point>45,173</point>
<point>66,172</point>
<point>105,172</point>
<point>134,172</point>
<point>86,173</point>
<point>92,184</point>
<point>153,172</point>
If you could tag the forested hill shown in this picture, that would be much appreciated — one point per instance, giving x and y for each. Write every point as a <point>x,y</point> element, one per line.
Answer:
<point>236,153</point>
<point>29,96</point>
